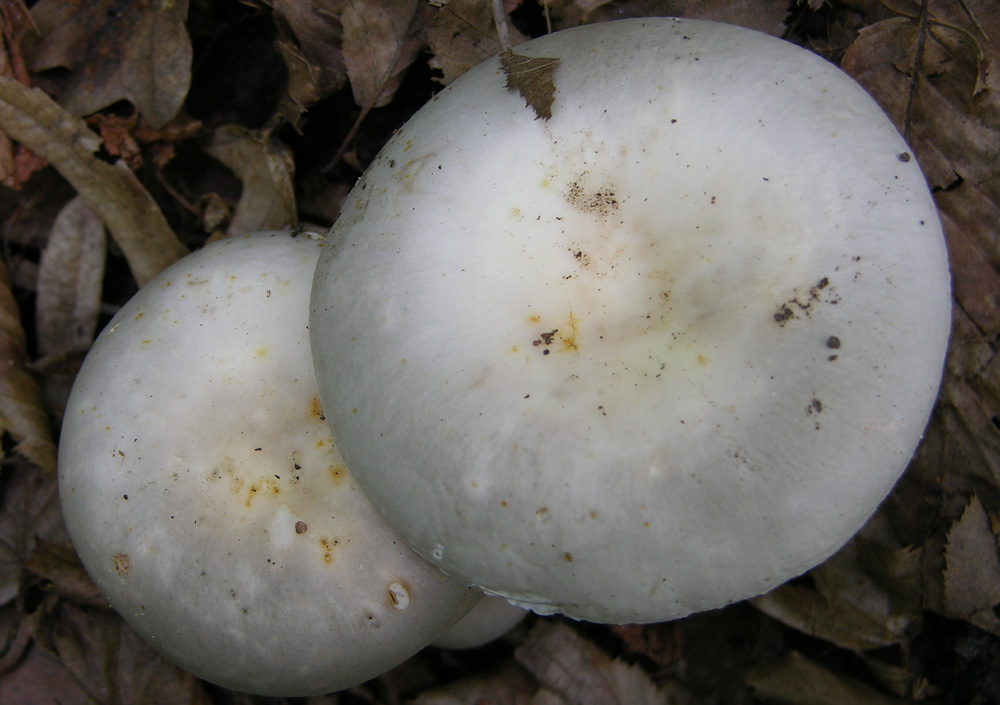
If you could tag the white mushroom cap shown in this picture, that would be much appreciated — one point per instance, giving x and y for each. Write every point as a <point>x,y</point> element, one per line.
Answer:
<point>489,620</point>
<point>206,499</point>
<point>658,353</point>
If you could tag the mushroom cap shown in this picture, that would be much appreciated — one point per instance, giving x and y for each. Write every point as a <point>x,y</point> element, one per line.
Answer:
<point>490,619</point>
<point>658,353</point>
<point>207,501</point>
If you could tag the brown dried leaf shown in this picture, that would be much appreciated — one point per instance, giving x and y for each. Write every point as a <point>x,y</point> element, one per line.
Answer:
<point>70,279</point>
<point>579,673</point>
<point>111,663</point>
<point>972,576</point>
<point>39,679</point>
<point>763,15</point>
<point>266,168</point>
<point>532,77</point>
<point>137,51</point>
<point>29,510</point>
<point>16,164</point>
<point>795,680</point>
<point>113,192</point>
<point>21,412</point>
<point>310,39</point>
<point>61,568</point>
<point>381,40</point>
<point>509,686</point>
<point>462,35</point>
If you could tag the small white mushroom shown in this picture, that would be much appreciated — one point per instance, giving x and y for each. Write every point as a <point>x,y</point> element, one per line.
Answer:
<point>206,499</point>
<point>660,352</point>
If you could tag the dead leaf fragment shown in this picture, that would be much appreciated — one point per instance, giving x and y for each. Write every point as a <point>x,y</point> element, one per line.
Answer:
<point>21,412</point>
<point>576,672</point>
<point>381,40</point>
<point>113,192</point>
<point>972,575</point>
<point>60,566</point>
<point>137,51</point>
<point>70,279</point>
<point>795,680</point>
<point>266,168</point>
<point>532,77</point>
<point>105,656</point>
<point>463,34</point>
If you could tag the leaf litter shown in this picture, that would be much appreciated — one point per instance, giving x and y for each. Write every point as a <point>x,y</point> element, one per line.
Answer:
<point>907,611</point>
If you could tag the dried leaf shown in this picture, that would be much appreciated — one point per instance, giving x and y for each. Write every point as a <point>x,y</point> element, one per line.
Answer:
<point>532,77</point>
<point>61,568</point>
<point>580,673</point>
<point>462,35</point>
<point>70,279</point>
<point>16,164</point>
<point>310,39</point>
<point>137,51</point>
<point>110,662</point>
<point>39,679</point>
<point>381,40</point>
<point>972,576</point>
<point>126,208</point>
<point>266,168</point>
<point>21,412</point>
<point>509,686</point>
<point>29,510</point>
<point>795,680</point>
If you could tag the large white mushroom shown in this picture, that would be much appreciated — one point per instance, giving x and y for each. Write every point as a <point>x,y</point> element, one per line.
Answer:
<point>207,501</point>
<point>660,352</point>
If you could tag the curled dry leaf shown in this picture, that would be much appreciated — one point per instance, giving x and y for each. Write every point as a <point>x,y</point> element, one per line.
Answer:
<point>309,42</point>
<point>70,279</point>
<point>21,411</point>
<point>16,163</point>
<point>113,192</point>
<point>137,51</point>
<point>463,34</point>
<point>381,40</point>
<point>266,169</point>
<point>508,686</point>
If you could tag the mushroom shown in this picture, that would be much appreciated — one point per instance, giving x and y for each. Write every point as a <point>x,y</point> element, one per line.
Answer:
<point>660,352</point>
<point>490,619</point>
<point>204,495</point>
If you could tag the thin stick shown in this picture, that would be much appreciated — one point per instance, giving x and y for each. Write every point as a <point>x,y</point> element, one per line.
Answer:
<point>500,20</point>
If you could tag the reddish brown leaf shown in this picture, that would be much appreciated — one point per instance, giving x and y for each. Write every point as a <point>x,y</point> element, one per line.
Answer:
<point>463,34</point>
<point>532,77</point>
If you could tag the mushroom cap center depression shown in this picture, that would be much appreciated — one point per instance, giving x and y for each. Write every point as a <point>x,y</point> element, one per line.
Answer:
<point>680,318</point>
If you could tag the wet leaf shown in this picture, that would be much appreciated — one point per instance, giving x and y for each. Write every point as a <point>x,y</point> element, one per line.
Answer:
<point>70,279</point>
<point>972,576</point>
<point>21,412</point>
<point>266,169</point>
<point>462,35</point>
<point>532,77</point>
<point>381,40</point>
<point>113,192</point>
<point>137,51</point>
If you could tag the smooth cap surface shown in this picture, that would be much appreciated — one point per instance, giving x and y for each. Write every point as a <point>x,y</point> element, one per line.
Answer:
<point>206,499</point>
<point>658,353</point>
